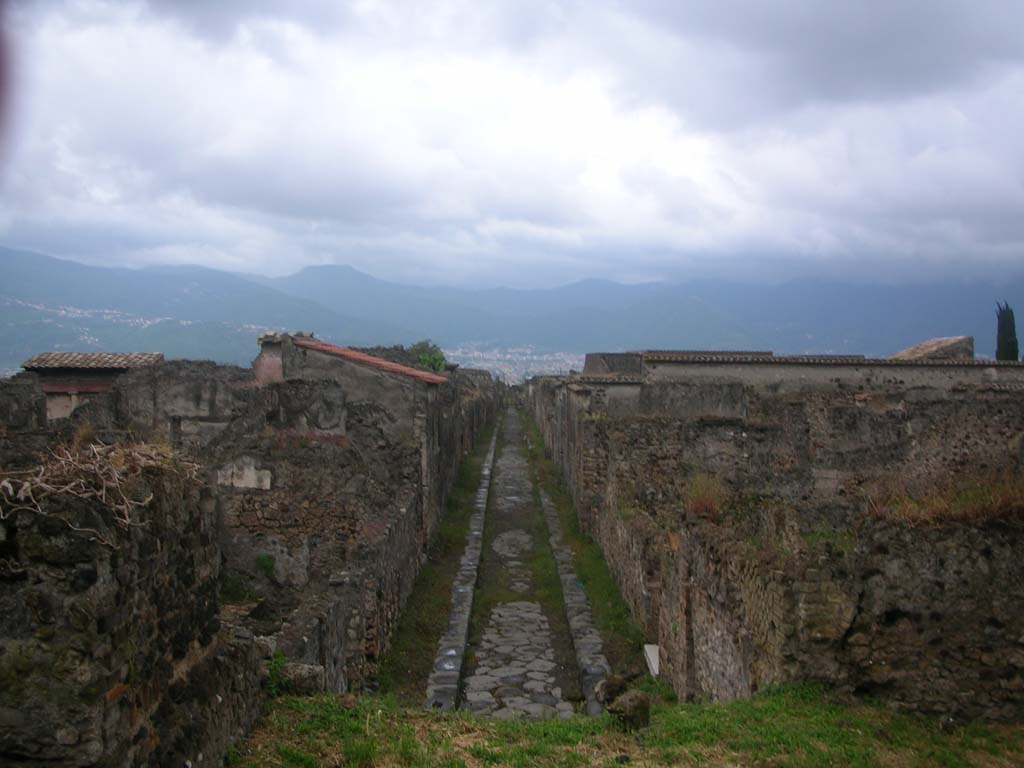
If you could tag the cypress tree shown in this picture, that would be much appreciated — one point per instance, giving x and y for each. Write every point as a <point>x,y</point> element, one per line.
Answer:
<point>1006,333</point>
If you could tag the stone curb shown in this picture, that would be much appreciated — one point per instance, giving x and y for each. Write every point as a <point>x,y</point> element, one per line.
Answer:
<point>585,638</point>
<point>443,683</point>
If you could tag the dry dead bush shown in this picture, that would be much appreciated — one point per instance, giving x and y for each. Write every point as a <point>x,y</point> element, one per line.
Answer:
<point>705,497</point>
<point>107,474</point>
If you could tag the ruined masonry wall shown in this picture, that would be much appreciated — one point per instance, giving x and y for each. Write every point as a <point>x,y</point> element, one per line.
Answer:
<point>118,656</point>
<point>322,490</point>
<point>334,478</point>
<point>794,577</point>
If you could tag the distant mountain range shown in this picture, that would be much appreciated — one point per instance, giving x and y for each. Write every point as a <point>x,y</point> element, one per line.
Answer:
<point>53,304</point>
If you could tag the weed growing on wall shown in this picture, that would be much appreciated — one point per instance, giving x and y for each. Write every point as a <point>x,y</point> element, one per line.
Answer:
<point>265,564</point>
<point>275,674</point>
<point>841,541</point>
<point>236,589</point>
<point>705,496</point>
<point>975,499</point>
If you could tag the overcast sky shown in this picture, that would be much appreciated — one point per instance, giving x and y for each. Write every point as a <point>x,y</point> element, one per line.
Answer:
<point>520,142</point>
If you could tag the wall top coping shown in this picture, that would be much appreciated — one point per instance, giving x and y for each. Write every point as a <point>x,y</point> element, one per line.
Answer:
<point>607,378</point>
<point>746,354</point>
<point>713,358</point>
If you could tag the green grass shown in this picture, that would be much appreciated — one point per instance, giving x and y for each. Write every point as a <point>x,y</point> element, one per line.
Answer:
<point>623,639</point>
<point>794,726</point>
<point>546,583</point>
<point>407,664</point>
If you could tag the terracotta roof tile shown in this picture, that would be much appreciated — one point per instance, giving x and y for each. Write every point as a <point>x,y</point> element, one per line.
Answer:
<point>361,358</point>
<point>95,360</point>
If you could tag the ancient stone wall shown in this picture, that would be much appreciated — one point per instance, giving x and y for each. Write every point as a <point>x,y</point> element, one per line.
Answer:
<point>114,653</point>
<point>740,518</point>
<point>329,481</point>
<point>183,402</point>
<point>22,418</point>
<point>322,484</point>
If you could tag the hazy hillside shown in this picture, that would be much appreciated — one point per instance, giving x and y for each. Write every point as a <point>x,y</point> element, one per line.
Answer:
<point>48,303</point>
<point>843,317</point>
<point>795,317</point>
<point>580,317</point>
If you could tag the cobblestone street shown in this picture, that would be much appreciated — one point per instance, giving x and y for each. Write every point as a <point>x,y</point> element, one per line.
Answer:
<point>523,663</point>
<point>515,666</point>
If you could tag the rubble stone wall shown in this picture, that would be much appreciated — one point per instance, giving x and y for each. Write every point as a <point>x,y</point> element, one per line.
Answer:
<point>321,489</point>
<point>116,654</point>
<point>791,572</point>
<point>329,482</point>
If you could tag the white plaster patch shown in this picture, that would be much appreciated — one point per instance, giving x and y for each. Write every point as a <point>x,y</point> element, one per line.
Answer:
<point>242,473</point>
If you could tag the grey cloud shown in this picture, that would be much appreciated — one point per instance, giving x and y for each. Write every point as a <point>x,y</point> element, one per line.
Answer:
<point>458,23</point>
<point>511,142</point>
<point>220,19</point>
<point>872,50</point>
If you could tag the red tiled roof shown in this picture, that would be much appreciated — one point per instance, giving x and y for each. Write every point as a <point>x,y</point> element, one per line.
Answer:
<point>362,358</point>
<point>100,360</point>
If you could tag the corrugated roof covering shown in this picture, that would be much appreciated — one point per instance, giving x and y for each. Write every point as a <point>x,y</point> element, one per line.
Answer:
<point>345,353</point>
<point>92,360</point>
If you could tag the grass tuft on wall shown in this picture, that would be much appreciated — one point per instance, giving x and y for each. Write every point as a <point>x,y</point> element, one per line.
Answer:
<point>978,498</point>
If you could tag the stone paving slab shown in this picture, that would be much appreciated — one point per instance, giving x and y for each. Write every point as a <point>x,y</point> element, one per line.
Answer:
<point>443,683</point>
<point>515,662</point>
